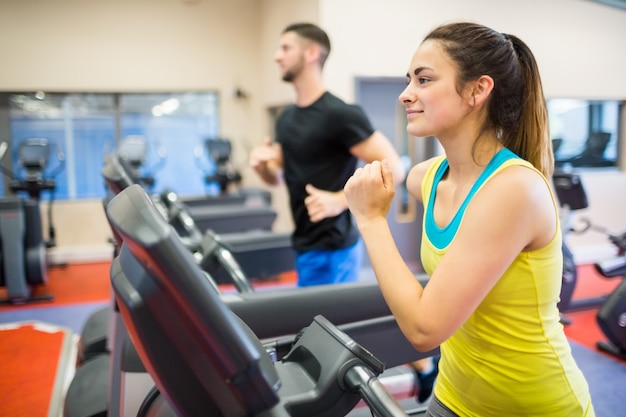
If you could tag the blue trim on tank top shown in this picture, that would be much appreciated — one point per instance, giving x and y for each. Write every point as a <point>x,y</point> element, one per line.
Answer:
<point>441,237</point>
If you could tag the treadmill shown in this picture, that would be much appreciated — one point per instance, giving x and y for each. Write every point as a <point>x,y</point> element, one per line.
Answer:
<point>210,358</point>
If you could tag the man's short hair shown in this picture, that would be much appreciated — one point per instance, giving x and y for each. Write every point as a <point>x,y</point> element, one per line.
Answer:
<point>313,33</point>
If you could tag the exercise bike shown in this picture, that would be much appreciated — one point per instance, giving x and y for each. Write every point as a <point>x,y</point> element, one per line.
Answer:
<point>611,316</point>
<point>571,197</point>
<point>23,257</point>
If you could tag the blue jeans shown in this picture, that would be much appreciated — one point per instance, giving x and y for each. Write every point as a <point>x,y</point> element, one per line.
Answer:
<point>319,267</point>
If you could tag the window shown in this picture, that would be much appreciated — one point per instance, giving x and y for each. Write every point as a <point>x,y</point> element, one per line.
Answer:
<point>175,127</point>
<point>82,128</point>
<point>585,133</point>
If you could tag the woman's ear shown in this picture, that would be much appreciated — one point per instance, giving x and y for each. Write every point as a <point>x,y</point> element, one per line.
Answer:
<point>480,90</point>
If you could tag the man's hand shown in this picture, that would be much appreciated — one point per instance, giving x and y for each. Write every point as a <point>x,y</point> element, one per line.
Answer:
<point>266,161</point>
<point>321,204</point>
<point>262,154</point>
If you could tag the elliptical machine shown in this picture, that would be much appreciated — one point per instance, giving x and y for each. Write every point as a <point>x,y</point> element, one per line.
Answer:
<point>22,246</point>
<point>134,149</point>
<point>224,173</point>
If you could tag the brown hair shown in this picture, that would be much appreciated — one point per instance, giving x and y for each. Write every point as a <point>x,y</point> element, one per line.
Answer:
<point>313,33</point>
<point>517,108</point>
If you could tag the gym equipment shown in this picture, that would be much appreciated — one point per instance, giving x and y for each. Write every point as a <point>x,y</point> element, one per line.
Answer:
<point>569,279</point>
<point>213,254</point>
<point>593,153</point>
<point>223,173</point>
<point>259,252</point>
<point>591,156</point>
<point>571,194</point>
<point>249,197</point>
<point>207,250</point>
<point>611,316</point>
<point>34,157</point>
<point>365,317</point>
<point>24,264</point>
<point>274,316</point>
<point>228,257</point>
<point>223,213</point>
<point>235,258</point>
<point>232,218</point>
<point>102,348</point>
<point>133,149</point>
<point>23,260</point>
<point>231,210</point>
<point>207,361</point>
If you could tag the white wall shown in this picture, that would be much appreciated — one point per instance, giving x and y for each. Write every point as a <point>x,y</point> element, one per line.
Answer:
<point>578,44</point>
<point>168,45</point>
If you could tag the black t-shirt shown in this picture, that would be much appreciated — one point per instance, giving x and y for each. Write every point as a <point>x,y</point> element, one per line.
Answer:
<point>316,142</point>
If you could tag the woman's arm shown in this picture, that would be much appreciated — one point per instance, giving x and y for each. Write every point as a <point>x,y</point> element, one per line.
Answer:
<point>511,213</point>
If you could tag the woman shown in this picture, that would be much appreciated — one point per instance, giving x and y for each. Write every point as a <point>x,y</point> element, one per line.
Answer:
<point>491,239</point>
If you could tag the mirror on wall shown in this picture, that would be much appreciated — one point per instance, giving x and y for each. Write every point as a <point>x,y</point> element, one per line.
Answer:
<point>585,133</point>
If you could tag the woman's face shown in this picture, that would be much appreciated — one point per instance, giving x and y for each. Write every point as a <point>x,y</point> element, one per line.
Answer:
<point>433,105</point>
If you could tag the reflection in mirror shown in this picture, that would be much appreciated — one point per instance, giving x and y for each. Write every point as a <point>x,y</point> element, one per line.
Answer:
<point>585,133</point>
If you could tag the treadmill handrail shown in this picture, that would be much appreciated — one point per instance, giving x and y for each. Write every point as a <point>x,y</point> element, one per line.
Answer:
<point>363,381</point>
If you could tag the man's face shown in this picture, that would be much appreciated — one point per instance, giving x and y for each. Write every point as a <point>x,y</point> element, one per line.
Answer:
<point>290,56</point>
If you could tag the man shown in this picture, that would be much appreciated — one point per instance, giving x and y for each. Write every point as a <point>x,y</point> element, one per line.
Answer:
<point>319,141</point>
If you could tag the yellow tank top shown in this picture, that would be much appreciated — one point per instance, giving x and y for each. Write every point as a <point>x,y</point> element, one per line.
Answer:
<point>511,357</point>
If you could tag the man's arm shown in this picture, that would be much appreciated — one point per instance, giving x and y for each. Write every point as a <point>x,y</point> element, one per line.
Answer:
<point>377,148</point>
<point>322,204</point>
